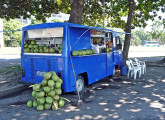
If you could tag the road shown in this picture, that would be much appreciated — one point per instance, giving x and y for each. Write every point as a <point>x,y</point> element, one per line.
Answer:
<point>145,54</point>
<point>109,99</point>
<point>6,60</point>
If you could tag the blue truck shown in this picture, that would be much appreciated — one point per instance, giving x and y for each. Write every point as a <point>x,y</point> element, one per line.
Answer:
<point>64,38</point>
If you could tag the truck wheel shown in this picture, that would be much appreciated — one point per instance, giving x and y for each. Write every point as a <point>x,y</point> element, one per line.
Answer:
<point>80,84</point>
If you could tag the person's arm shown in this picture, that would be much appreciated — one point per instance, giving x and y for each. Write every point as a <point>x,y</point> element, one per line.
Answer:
<point>95,48</point>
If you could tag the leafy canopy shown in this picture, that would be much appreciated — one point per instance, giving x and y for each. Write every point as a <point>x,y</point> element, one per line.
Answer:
<point>38,8</point>
<point>12,38</point>
<point>115,10</point>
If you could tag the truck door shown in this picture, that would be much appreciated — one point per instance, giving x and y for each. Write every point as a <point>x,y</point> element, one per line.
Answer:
<point>109,65</point>
<point>117,49</point>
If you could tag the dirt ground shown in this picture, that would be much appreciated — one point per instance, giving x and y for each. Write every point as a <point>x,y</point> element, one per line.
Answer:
<point>9,76</point>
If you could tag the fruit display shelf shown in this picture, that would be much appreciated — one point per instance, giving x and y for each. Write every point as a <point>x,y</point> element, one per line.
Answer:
<point>46,54</point>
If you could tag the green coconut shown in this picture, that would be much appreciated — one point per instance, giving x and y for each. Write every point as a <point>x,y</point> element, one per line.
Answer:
<point>49,99</point>
<point>58,85</point>
<point>34,93</point>
<point>54,77</point>
<point>51,50</point>
<point>41,101</point>
<point>35,103</point>
<point>44,82</point>
<point>36,87</point>
<point>52,93</point>
<point>80,53</point>
<point>52,88</point>
<point>53,73</point>
<point>41,94</point>
<point>93,52</point>
<point>40,107</point>
<point>47,106</point>
<point>41,50</point>
<point>46,50</point>
<point>47,89</point>
<point>36,46</point>
<point>56,97</point>
<point>51,83</point>
<point>90,52</point>
<point>60,80</point>
<point>47,75</point>
<point>30,103</point>
<point>55,105</point>
<point>36,50</point>
<point>30,46</point>
<point>32,50</point>
<point>75,53</point>
<point>33,42</point>
<point>25,45</point>
<point>58,91</point>
<point>61,103</point>
<point>45,47</point>
<point>26,50</point>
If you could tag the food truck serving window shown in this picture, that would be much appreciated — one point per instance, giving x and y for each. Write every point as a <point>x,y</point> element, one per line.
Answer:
<point>101,41</point>
<point>48,40</point>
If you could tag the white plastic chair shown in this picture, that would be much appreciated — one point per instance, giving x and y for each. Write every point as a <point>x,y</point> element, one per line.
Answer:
<point>142,64</point>
<point>133,69</point>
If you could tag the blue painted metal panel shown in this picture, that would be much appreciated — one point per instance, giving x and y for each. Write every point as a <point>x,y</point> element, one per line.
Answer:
<point>33,63</point>
<point>110,63</point>
<point>93,65</point>
<point>79,38</point>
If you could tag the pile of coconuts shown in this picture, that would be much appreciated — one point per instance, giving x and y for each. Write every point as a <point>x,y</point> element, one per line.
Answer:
<point>47,94</point>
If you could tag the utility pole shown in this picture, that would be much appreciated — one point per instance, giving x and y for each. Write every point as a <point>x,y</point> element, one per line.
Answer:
<point>1,34</point>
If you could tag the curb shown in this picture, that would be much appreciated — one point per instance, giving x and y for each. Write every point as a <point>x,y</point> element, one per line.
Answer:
<point>12,90</point>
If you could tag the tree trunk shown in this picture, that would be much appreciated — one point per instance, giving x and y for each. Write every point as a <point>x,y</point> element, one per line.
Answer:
<point>76,11</point>
<point>128,30</point>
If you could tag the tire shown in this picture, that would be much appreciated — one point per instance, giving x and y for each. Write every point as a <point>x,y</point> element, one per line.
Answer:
<point>80,84</point>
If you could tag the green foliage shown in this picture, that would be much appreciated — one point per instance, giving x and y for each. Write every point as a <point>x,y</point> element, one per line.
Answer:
<point>115,11</point>
<point>162,39</point>
<point>57,20</point>
<point>40,8</point>
<point>12,38</point>
<point>135,40</point>
<point>157,31</point>
<point>35,21</point>
<point>142,34</point>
